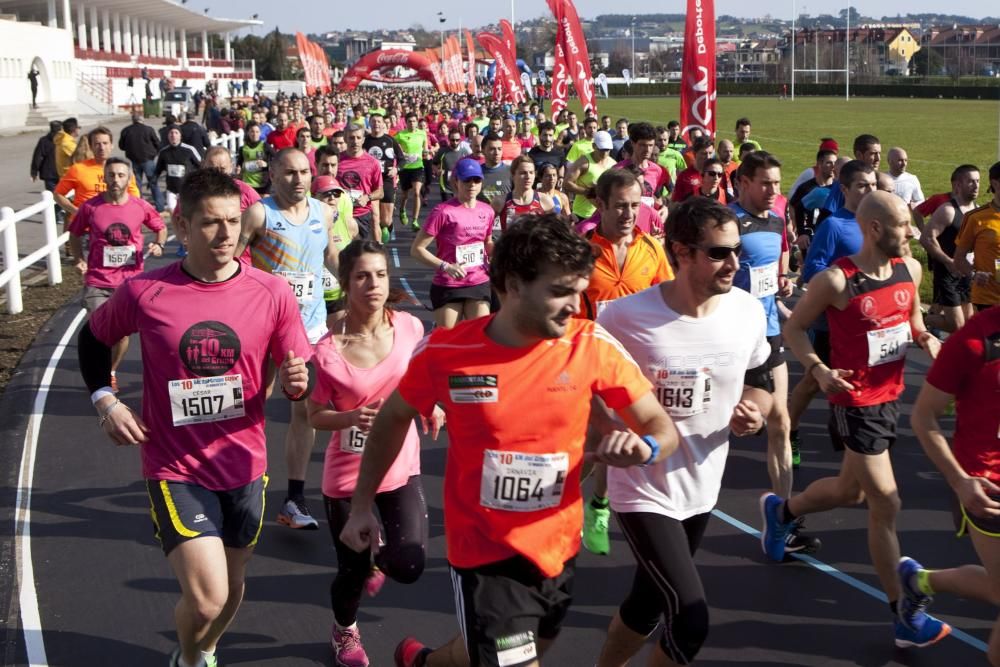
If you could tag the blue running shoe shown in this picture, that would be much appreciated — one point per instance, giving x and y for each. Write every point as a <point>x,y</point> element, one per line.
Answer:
<point>772,536</point>
<point>914,600</point>
<point>925,630</point>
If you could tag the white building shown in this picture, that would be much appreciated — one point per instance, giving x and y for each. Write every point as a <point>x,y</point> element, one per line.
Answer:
<point>86,51</point>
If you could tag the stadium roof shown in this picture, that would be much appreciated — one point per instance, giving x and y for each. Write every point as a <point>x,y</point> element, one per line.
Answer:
<point>175,14</point>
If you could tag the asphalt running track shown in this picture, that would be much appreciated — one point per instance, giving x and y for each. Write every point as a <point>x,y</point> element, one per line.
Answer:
<point>97,591</point>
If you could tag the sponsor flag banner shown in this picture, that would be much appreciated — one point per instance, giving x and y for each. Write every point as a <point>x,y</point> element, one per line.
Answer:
<point>577,57</point>
<point>560,71</point>
<point>602,81</point>
<point>507,30</point>
<point>627,75</point>
<point>506,70</point>
<point>526,84</point>
<point>698,91</point>
<point>471,74</point>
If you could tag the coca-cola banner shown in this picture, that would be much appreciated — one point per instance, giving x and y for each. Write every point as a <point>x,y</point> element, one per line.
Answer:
<point>390,59</point>
<point>698,90</point>
<point>507,72</point>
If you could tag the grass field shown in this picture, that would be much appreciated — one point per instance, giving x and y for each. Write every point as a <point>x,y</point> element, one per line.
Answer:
<point>938,135</point>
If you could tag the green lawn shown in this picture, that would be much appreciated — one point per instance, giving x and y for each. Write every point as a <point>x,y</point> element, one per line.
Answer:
<point>938,134</point>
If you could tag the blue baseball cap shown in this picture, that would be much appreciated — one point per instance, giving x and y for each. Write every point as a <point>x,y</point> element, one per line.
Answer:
<point>467,169</point>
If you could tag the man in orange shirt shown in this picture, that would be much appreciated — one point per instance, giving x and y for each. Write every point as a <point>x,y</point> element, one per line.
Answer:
<point>626,261</point>
<point>86,179</point>
<point>516,388</point>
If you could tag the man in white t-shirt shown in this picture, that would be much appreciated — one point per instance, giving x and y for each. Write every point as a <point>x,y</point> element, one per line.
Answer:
<point>695,338</point>
<point>907,185</point>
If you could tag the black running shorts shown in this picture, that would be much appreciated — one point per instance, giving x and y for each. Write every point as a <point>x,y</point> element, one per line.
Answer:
<point>505,606</point>
<point>183,512</point>
<point>868,430</point>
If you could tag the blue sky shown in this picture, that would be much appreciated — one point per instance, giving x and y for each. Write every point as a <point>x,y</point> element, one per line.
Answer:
<point>316,15</point>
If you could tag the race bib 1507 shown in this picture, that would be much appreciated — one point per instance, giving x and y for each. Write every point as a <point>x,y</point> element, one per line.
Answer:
<point>207,399</point>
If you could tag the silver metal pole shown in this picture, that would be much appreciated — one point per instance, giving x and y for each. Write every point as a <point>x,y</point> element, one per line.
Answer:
<point>793,49</point>
<point>847,59</point>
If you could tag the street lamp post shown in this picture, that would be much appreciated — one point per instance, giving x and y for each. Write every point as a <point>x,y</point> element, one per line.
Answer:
<point>633,48</point>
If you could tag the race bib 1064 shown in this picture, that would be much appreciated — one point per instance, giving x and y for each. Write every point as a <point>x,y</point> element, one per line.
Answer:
<point>888,345</point>
<point>207,399</point>
<point>520,482</point>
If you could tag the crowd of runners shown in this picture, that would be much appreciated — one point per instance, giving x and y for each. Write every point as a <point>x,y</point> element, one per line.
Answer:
<point>611,303</point>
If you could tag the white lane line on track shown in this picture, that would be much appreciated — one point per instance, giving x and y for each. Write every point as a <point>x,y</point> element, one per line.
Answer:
<point>844,578</point>
<point>395,257</point>
<point>31,621</point>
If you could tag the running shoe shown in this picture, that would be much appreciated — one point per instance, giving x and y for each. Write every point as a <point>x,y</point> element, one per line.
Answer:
<point>386,234</point>
<point>295,514</point>
<point>210,660</point>
<point>403,218</point>
<point>796,452</point>
<point>347,648</point>
<point>926,630</point>
<point>374,581</point>
<point>797,543</point>
<point>914,600</point>
<point>595,529</point>
<point>408,652</point>
<point>772,536</point>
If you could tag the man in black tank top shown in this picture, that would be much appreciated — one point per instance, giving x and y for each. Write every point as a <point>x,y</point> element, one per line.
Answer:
<point>952,292</point>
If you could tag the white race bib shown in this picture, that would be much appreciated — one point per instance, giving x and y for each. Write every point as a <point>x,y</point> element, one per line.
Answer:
<point>118,256</point>
<point>410,158</point>
<point>764,280</point>
<point>210,399</point>
<point>520,482</point>
<point>888,345</point>
<point>301,282</point>
<point>353,441</point>
<point>496,225</point>
<point>330,282</point>
<point>175,170</point>
<point>470,255</point>
<point>683,392</point>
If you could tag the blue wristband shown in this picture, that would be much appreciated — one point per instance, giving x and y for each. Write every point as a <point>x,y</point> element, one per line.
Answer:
<point>654,447</point>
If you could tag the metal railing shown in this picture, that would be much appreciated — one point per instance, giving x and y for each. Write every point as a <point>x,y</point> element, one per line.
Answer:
<point>232,141</point>
<point>12,266</point>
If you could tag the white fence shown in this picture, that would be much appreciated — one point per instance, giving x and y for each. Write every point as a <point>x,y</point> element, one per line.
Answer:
<point>233,141</point>
<point>12,266</point>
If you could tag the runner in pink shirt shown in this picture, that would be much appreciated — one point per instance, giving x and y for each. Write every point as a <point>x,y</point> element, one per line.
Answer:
<point>461,228</point>
<point>207,326</point>
<point>643,139</point>
<point>358,365</point>
<point>361,174</point>
<point>113,223</point>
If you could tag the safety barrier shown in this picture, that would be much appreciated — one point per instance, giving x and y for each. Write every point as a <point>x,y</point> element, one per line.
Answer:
<point>12,266</point>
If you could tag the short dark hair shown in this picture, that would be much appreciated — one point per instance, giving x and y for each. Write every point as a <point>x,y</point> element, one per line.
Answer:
<point>55,125</point>
<point>962,170</point>
<point>756,160</point>
<point>613,179</point>
<point>69,125</point>
<point>591,119</point>
<point>852,169</point>
<point>642,131</point>
<point>690,219</point>
<point>863,141</point>
<point>701,143</point>
<point>117,160</point>
<point>672,124</point>
<point>547,125</point>
<point>710,162</point>
<point>202,184</point>
<point>534,243</point>
<point>325,150</point>
<point>746,147</point>
<point>740,122</point>
<point>409,115</point>
<point>491,136</point>
<point>100,129</point>
<point>823,153</point>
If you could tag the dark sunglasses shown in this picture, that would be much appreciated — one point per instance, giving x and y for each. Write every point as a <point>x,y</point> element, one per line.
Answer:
<point>720,253</point>
<point>334,193</point>
<point>474,179</point>
<point>716,174</point>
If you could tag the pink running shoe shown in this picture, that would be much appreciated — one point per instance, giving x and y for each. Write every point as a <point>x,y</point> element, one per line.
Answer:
<point>374,581</point>
<point>347,648</point>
